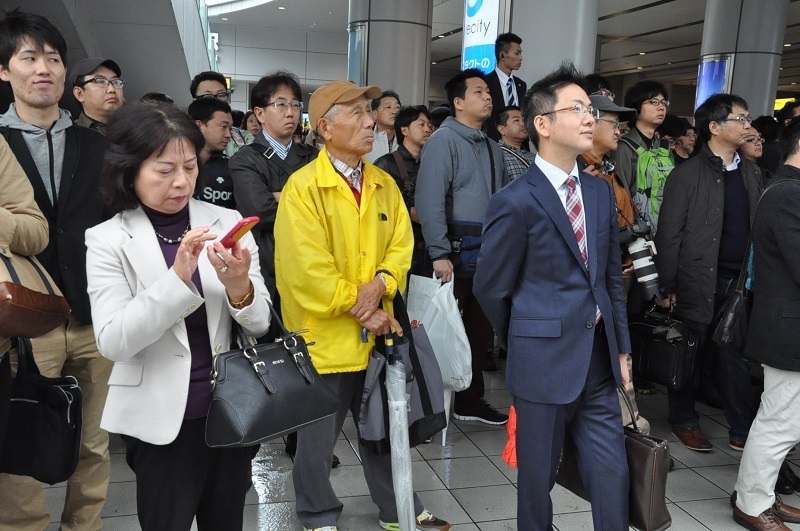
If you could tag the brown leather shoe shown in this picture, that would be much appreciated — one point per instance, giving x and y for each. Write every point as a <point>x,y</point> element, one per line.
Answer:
<point>787,513</point>
<point>693,438</point>
<point>766,521</point>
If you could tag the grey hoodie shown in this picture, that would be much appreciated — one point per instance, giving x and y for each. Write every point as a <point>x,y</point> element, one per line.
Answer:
<point>42,143</point>
<point>453,181</point>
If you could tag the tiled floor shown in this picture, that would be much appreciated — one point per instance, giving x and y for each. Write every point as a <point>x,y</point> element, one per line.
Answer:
<point>466,482</point>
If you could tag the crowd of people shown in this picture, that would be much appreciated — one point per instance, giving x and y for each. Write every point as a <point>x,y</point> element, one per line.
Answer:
<point>521,197</point>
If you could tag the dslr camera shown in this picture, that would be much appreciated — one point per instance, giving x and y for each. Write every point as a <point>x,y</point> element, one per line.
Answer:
<point>637,238</point>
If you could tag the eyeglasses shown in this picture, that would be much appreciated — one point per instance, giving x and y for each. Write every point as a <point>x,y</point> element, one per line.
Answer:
<point>690,134</point>
<point>655,102</point>
<point>614,123</point>
<point>221,96</point>
<point>102,82</point>
<point>283,106</point>
<point>756,140</point>
<point>742,119</point>
<point>604,92</point>
<point>578,109</point>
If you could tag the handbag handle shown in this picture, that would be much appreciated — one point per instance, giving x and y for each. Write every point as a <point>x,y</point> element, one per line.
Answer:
<point>15,277</point>
<point>630,407</point>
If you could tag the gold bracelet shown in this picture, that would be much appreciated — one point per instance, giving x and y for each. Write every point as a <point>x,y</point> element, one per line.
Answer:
<point>242,303</point>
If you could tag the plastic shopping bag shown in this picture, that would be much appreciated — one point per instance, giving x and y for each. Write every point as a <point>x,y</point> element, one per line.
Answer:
<point>433,304</point>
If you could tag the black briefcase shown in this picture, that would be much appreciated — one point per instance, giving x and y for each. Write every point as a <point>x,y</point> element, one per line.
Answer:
<point>44,423</point>
<point>666,350</point>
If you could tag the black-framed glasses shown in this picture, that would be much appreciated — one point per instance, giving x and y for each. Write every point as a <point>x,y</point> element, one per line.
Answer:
<point>742,119</point>
<point>614,123</point>
<point>656,102</point>
<point>756,140</point>
<point>222,95</point>
<point>284,106</point>
<point>103,82</point>
<point>579,109</point>
<point>604,92</point>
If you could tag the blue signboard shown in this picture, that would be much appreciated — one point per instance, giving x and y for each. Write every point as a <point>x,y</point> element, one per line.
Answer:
<point>481,18</point>
<point>713,77</point>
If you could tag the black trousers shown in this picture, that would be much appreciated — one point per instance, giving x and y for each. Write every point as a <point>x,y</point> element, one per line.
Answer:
<point>185,479</point>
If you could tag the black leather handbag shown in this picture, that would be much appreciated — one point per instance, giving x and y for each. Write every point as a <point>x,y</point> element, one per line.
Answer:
<point>665,350</point>
<point>648,466</point>
<point>43,438</point>
<point>264,391</point>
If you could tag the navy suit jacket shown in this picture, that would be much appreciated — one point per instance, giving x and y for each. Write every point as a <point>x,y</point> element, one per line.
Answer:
<point>499,101</point>
<point>533,286</point>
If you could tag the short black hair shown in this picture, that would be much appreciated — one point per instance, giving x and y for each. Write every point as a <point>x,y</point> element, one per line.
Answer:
<point>158,98</point>
<point>457,86</point>
<point>768,127</point>
<point>542,97</point>
<point>641,92</point>
<point>502,116</point>
<point>405,117</point>
<point>787,111</point>
<point>136,132</point>
<point>715,109</point>
<point>440,114</point>
<point>503,43</point>
<point>385,94</point>
<point>268,85</point>
<point>18,25</point>
<point>203,109</point>
<point>238,117</point>
<point>206,76</point>
<point>594,83</point>
<point>790,137</point>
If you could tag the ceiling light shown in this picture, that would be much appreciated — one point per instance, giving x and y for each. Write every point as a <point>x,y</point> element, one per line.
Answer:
<point>638,68</point>
<point>787,45</point>
<point>330,12</point>
<point>793,83</point>
<point>433,62</point>
<point>281,8</point>
<point>223,18</point>
<point>669,63</point>
<point>641,53</point>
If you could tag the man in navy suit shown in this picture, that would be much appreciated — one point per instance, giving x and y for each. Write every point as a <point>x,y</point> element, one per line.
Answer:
<point>550,281</point>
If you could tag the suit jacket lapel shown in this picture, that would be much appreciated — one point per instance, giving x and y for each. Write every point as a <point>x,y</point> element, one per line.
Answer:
<point>590,209</point>
<point>547,196</point>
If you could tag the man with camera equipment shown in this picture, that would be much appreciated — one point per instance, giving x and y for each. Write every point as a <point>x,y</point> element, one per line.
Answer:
<point>704,224</point>
<point>632,229</point>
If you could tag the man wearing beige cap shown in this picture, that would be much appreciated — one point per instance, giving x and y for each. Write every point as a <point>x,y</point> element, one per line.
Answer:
<point>343,241</point>
<point>97,85</point>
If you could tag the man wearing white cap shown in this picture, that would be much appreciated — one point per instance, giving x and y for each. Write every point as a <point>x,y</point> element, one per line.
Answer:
<point>343,241</point>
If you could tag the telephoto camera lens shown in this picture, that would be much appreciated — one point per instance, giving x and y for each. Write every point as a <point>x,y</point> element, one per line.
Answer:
<point>645,269</point>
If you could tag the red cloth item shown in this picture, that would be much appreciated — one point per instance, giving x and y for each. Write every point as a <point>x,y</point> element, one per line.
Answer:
<point>510,451</point>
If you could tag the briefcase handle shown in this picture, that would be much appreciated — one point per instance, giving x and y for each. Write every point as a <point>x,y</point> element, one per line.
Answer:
<point>629,406</point>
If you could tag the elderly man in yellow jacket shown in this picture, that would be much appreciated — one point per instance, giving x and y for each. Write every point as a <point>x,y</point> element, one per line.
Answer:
<point>343,241</point>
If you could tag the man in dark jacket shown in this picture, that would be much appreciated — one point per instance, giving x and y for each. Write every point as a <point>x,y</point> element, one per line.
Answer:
<point>705,218</point>
<point>412,127</point>
<point>773,340</point>
<point>213,118</point>
<point>63,162</point>
<point>259,170</point>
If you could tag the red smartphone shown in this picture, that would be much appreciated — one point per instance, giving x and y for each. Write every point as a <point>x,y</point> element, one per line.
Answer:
<point>239,230</point>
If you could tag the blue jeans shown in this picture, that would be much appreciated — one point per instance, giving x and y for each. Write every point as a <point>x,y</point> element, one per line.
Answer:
<point>734,378</point>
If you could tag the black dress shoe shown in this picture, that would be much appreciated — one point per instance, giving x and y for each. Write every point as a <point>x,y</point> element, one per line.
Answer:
<point>788,482</point>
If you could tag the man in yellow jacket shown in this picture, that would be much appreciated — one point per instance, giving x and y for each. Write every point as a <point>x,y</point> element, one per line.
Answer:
<point>343,242</point>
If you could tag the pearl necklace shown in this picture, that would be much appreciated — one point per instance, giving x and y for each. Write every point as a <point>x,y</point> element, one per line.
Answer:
<point>177,240</point>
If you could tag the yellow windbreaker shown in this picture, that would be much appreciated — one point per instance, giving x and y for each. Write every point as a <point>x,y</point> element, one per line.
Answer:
<point>326,246</point>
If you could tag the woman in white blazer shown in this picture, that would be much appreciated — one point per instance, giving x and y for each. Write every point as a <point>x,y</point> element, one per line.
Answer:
<point>164,294</point>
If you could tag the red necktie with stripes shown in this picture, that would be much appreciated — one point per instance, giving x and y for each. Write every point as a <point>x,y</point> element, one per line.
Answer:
<point>578,221</point>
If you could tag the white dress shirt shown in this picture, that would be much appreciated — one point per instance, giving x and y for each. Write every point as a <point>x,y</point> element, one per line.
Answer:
<point>503,78</point>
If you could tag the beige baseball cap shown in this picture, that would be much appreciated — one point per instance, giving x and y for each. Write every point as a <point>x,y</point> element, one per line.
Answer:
<point>335,92</point>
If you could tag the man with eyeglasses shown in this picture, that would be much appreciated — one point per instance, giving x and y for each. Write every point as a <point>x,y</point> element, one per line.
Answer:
<point>705,220</point>
<point>214,85</point>
<point>96,84</point>
<point>650,101</point>
<point>550,280</point>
